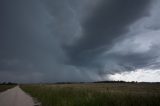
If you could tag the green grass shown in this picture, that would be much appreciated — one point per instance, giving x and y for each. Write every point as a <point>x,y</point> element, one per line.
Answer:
<point>5,87</point>
<point>96,94</point>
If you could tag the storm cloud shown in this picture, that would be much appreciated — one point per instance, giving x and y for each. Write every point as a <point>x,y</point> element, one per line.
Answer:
<point>108,22</point>
<point>77,40</point>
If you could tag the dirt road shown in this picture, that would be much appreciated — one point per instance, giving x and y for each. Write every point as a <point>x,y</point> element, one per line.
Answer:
<point>15,97</point>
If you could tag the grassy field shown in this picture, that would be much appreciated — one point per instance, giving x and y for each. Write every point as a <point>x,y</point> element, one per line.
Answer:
<point>112,94</point>
<point>5,87</point>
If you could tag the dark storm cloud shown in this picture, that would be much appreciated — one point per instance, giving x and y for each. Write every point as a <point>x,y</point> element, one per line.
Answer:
<point>71,40</point>
<point>108,22</point>
<point>26,39</point>
<point>32,33</point>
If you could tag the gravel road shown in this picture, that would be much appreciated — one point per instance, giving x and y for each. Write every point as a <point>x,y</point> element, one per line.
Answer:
<point>15,97</point>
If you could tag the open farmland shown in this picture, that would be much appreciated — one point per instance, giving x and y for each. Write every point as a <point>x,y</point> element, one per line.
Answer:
<point>109,94</point>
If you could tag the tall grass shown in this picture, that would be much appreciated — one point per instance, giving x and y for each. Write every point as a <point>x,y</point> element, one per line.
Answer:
<point>50,95</point>
<point>5,87</point>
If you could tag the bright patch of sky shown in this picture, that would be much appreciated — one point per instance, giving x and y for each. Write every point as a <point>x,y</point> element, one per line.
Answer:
<point>140,75</point>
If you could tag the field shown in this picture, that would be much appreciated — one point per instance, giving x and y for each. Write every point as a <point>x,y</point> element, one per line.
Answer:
<point>109,94</point>
<point>5,87</point>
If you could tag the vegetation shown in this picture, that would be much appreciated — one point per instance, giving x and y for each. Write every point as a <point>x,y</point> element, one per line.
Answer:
<point>110,94</point>
<point>5,87</point>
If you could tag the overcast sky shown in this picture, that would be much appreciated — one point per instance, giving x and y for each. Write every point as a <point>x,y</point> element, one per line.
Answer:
<point>79,40</point>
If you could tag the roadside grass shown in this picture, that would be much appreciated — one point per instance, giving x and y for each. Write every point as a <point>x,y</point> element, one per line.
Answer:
<point>96,94</point>
<point>5,87</point>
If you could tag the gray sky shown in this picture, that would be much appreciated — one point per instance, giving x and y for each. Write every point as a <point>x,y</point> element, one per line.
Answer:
<point>78,40</point>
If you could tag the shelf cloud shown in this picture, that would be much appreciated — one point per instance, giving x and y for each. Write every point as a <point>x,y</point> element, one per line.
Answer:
<point>77,40</point>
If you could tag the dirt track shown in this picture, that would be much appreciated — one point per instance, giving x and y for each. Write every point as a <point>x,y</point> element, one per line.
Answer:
<point>15,97</point>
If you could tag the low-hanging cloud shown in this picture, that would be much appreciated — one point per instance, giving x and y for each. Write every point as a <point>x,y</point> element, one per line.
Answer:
<point>73,40</point>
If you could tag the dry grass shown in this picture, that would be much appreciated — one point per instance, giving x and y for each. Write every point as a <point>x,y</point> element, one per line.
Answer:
<point>5,87</point>
<point>115,94</point>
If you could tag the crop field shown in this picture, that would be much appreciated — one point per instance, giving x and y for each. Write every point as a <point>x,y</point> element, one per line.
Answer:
<point>5,87</point>
<point>109,94</point>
